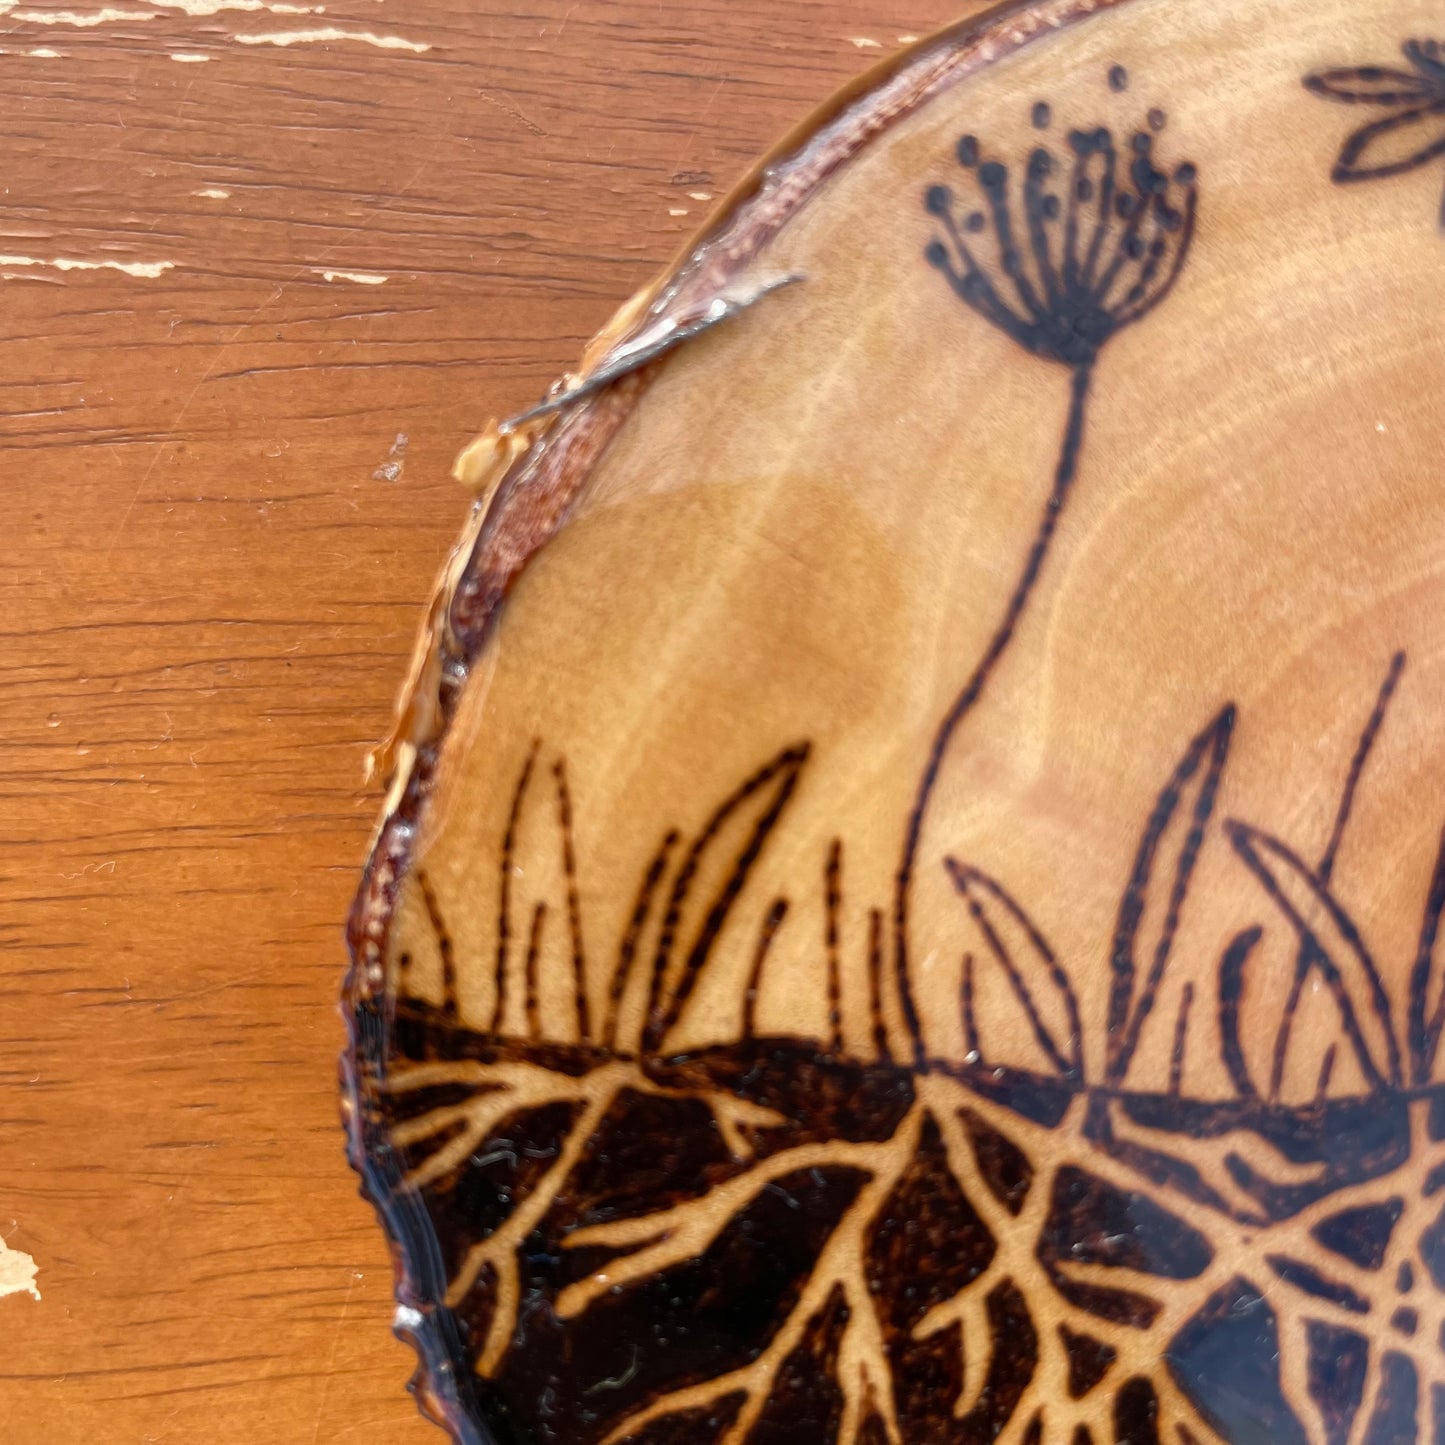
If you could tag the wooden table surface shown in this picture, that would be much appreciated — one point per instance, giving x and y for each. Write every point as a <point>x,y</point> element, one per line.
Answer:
<point>265,269</point>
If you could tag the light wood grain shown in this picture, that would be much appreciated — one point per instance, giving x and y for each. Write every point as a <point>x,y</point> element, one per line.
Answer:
<point>208,598</point>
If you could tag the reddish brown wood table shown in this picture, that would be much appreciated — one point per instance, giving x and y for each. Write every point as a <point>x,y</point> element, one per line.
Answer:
<point>265,268</point>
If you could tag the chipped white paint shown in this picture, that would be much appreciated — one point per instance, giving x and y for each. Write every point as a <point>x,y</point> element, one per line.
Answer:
<point>674,211</point>
<point>79,21</point>
<point>17,1273</point>
<point>863,42</point>
<point>147,269</point>
<point>109,14</point>
<point>701,195</point>
<point>203,8</point>
<point>327,33</point>
<point>361,278</point>
<point>395,464</point>
<point>213,193</point>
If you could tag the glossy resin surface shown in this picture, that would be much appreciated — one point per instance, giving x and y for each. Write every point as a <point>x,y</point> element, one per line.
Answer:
<point>908,909</point>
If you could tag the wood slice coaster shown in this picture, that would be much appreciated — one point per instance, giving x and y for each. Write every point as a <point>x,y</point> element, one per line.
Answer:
<point>907,912</point>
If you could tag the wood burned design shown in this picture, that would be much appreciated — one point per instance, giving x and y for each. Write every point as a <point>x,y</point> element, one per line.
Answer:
<point>1407,130</point>
<point>894,1245</point>
<point>866,1238</point>
<point>1107,239</point>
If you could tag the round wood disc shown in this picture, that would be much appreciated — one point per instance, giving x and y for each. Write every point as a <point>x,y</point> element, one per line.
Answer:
<point>907,912</point>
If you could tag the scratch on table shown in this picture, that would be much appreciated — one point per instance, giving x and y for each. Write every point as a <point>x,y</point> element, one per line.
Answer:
<point>107,867</point>
<point>526,122</point>
<point>695,131</point>
<point>571,11</point>
<point>17,1273</point>
<point>187,57</point>
<point>331,1361</point>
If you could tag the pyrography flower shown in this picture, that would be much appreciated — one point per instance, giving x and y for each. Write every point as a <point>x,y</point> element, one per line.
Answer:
<point>1412,130</point>
<point>1084,248</point>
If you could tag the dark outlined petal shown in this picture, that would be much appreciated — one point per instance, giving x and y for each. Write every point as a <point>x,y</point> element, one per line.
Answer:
<point>1427,57</point>
<point>1393,146</point>
<point>708,883</point>
<point>1372,85</point>
<point>1163,870</point>
<point>1231,1001</point>
<point>1336,948</point>
<point>1427,991</point>
<point>1032,968</point>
